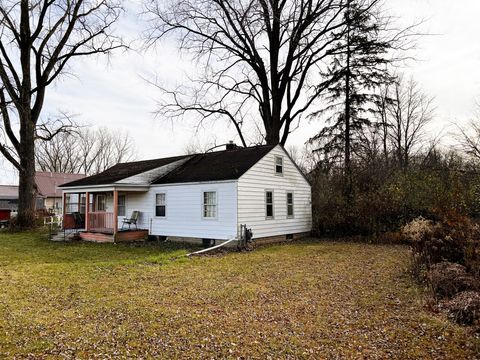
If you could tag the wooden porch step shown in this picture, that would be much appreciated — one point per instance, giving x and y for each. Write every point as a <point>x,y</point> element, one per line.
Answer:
<point>97,237</point>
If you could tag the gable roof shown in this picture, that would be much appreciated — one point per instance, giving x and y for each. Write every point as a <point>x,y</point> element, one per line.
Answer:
<point>122,171</point>
<point>211,166</point>
<point>215,166</point>
<point>47,182</point>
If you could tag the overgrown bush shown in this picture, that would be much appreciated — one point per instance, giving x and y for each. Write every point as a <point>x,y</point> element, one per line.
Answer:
<point>384,198</point>
<point>453,238</point>
<point>445,253</point>
<point>464,308</point>
<point>448,279</point>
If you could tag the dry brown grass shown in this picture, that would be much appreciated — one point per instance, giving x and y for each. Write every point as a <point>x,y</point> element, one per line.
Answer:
<point>301,300</point>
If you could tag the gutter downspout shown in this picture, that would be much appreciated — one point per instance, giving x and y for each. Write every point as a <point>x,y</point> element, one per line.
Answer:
<point>213,247</point>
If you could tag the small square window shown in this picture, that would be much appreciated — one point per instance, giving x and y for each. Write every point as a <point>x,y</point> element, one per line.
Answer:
<point>278,165</point>
<point>161,205</point>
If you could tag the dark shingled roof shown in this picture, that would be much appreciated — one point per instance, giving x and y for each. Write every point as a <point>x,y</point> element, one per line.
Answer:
<point>211,166</point>
<point>122,171</point>
<point>218,165</point>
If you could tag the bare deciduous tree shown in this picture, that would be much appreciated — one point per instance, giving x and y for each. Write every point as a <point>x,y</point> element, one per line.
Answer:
<point>38,39</point>
<point>85,151</point>
<point>409,114</point>
<point>469,136</point>
<point>403,112</point>
<point>196,146</point>
<point>253,55</point>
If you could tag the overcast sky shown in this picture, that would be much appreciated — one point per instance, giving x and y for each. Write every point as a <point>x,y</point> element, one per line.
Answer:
<point>115,94</point>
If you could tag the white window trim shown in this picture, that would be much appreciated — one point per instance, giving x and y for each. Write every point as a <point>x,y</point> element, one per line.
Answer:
<point>265,204</point>
<point>293,203</point>
<point>275,165</point>
<point>155,205</point>
<point>202,204</point>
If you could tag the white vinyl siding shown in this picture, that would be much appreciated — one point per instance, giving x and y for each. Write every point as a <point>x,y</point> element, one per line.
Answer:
<point>185,210</point>
<point>251,197</point>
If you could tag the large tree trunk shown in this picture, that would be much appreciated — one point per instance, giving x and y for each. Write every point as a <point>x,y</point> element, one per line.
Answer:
<point>27,188</point>
<point>272,133</point>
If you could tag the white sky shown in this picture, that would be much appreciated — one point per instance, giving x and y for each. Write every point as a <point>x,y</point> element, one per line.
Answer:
<point>115,94</point>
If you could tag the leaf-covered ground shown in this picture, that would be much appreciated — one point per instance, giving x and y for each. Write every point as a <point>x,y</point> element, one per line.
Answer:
<point>301,300</point>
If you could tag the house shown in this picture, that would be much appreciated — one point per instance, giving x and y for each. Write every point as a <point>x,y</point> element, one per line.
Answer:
<point>47,186</point>
<point>49,197</point>
<point>9,198</point>
<point>195,197</point>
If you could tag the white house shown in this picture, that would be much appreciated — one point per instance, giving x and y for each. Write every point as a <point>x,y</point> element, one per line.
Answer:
<point>195,197</point>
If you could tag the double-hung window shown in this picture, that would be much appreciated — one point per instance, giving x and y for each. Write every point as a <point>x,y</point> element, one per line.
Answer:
<point>161,204</point>
<point>209,204</point>
<point>289,204</point>
<point>278,165</point>
<point>269,204</point>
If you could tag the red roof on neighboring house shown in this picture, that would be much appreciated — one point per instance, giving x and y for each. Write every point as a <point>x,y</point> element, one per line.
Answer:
<point>47,182</point>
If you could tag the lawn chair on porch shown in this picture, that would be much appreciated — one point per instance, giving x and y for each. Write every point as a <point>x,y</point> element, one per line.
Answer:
<point>78,221</point>
<point>133,220</point>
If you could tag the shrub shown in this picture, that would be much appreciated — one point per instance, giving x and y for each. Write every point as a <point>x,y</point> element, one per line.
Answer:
<point>417,230</point>
<point>453,239</point>
<point>448,279</point>
<point>464,308</point>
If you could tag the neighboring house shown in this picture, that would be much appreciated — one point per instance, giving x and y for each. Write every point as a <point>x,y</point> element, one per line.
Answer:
<point>9,198</point>
<point>196,197</point>
<point>47,185</point>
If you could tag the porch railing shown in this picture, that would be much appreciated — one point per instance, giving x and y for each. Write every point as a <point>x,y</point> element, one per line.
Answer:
<point>101,221</point>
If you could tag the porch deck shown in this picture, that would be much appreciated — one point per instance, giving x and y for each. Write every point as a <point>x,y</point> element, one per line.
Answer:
<point>92,218</point>
<point>109,237</point>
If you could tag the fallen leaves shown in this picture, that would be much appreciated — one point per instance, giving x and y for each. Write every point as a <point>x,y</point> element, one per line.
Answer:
<point>301,300</point>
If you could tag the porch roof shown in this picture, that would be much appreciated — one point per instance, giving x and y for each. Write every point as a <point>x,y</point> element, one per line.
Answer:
<point>122,171</point>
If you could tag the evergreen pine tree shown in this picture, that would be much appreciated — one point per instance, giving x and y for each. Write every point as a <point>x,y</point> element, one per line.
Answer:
<point>358,68</point>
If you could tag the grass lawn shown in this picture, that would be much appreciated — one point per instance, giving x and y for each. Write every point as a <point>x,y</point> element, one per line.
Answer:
<point>301,300</point>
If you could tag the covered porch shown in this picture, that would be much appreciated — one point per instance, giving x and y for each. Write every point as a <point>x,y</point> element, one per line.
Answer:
<point>98,214</point>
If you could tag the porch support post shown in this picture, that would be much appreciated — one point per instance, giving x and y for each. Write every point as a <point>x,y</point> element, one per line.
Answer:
<point>64,209</point>
<point>87,211</point>
<point>115,212</point>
